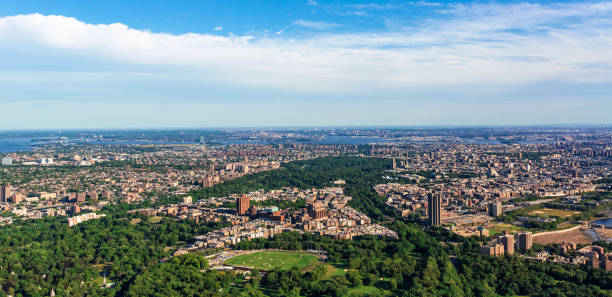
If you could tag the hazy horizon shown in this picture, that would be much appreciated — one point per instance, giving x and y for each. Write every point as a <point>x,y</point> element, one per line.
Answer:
<point>501,126</point>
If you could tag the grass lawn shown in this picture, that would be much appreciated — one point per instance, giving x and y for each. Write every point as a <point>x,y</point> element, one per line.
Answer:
<point>366,290</point>
<point>155,219</point>
<point>135,221</point>
<point>332,271</point>
<point>550,212</point>
<point>566,225</point>
<point>268,260</point>
<point>499,228</point>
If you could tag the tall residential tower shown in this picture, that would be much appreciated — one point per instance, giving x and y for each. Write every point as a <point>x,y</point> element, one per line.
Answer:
<point>242,205</point>
<point>5,193</point>
<point>434,209</point>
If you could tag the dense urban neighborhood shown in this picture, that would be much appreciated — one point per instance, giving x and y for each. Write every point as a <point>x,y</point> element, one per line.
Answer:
<point>410,212</point>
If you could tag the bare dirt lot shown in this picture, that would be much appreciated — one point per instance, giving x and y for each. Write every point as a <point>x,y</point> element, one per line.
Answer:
<point>604,233</point>
<point>575,236</point>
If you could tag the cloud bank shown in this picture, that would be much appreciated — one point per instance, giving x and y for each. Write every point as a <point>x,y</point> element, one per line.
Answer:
<point>466,51</point>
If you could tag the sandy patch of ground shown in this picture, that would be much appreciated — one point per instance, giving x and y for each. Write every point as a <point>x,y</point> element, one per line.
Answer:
<point>575,236</point>
<point>604,234</point>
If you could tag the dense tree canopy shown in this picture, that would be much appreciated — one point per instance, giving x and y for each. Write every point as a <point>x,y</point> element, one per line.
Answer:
<point>38,255</point>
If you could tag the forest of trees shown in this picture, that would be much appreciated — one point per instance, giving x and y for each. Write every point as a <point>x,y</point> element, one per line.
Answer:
<point>416,264</point>
<point>39,255</point>
<point>182,276</point>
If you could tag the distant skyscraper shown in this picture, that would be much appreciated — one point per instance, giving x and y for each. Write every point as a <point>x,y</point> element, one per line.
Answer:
<point>525,241</point>
<point>394,164</point>
<point>495,209</point>
<point>5,192</point>
<point>242,205</point>
<point>434,210</point>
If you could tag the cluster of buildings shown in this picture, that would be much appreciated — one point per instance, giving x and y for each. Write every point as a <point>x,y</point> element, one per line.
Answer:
<point>51,159</point>
<point>451,177</point>
<point>234,170</point>
<point>43,204</point>
<point>326,213</point>
<point>84,217</point>
<point>590,255</point>
<point>226,237</point>
<point>461,183</point>
<point>132,173</point>
<point>566,253</point>
<point>596,257</point>
<point>469,176</point>
<point>506,244</point>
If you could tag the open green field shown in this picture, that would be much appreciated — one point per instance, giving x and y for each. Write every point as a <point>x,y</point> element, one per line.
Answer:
<point>500,228</point>
<point>366,291</point>
<point>135,221</point>
<point>155,219</point>
<point>269,260</point>
<point>550,212</point>
<point>332,271</point>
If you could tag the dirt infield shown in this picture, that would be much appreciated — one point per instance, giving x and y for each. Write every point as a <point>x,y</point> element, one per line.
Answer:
<point>575,236</point>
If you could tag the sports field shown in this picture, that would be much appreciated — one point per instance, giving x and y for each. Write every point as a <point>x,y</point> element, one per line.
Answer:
<point>499,228</point>
<point>269,260</point>
<point>549,212</point>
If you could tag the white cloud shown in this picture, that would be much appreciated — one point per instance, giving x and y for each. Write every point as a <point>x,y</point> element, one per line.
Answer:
<point>474,45</point>
<point>426,3</point>
<point>316,25</point>
<point>374,6</point>
<point>312,2</point>
<point>218,28</point>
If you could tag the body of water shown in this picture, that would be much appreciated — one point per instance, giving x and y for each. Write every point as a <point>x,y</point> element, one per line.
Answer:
<point>9,145</point>
<point>603,222</point>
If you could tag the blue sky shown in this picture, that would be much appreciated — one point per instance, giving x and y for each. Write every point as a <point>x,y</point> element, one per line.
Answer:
<point>238,17</point>
<point>123,64</point>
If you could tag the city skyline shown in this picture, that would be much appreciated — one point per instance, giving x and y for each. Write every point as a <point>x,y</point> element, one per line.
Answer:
<point>122,207</point>
<point>304,64</point>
